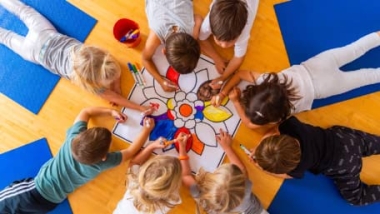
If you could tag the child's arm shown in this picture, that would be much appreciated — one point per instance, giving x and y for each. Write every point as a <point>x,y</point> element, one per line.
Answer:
<point>139,141</point>
<point>225,141</point>
<point>151,45</point>
<point>187,177</point>
<point>118,99</point>
<point>89,112</point>
<point>232,66</point>
<point>210,51</point>
<point>144,154</point>
<point>197,25</point>
<point>249,76</point>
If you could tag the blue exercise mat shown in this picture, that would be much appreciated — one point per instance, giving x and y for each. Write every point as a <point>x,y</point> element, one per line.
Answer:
<point>26,83</point>
<point>312,26</point>
<point>25,162</point>
<point>314,195</point>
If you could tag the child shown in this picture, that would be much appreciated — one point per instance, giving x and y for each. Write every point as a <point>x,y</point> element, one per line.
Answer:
<point>276,96</point>
<point>227,189</point>
<point>335,152</point>
<point>89,67</point>
<point>172,23</point>
<point>230,23</point>
<point>83,155</point>
<point>153,185</point>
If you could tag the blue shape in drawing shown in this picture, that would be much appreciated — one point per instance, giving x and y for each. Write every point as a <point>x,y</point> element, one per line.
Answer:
<point>163,128</point>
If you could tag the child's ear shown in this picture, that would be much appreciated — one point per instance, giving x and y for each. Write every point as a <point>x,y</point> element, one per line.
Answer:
<point>104,158</point>
<point>163,51</point>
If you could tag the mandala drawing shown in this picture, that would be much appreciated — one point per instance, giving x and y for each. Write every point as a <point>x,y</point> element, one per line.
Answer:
<point>182,111</point>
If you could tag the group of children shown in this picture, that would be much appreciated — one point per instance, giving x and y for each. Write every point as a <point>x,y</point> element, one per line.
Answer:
<point>288,149</point>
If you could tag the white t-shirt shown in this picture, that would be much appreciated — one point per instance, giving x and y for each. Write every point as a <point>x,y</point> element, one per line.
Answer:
<point>125,205</point>
<point>302,83</point>
<point>241,44</point>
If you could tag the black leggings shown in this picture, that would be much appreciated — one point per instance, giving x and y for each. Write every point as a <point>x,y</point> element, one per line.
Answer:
<point>346,173</point>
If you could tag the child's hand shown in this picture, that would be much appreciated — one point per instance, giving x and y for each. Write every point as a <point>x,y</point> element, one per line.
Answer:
<point>217,83</point>
<point>252,156</point>
<point>217,100</point>
<point>182,139</point>
<point>159,143</point>
<point>221,65</point>
<point>148,123</point>
<point>169,86</point>
<point>146,110</point>
<point>224,139</point>
<point>234,94</point>
<point>120,117</point>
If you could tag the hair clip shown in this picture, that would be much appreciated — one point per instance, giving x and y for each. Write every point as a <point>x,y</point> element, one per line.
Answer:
<point>258,113</point>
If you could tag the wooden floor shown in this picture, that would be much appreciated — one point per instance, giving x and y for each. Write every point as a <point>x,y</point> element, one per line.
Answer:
<point>266,53</point>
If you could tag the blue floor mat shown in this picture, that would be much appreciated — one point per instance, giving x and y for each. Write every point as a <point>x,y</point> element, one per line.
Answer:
<point>26,83</point>
<point>312,26</point>
<point>314,195</point>
<point>25,162</point>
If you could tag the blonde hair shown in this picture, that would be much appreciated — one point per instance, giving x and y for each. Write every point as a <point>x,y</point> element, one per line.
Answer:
<point>94,68</point>
<point>158,182</point>
<point>221,191</point>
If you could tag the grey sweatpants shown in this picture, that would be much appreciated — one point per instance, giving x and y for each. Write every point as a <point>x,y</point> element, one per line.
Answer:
<point>327,77</point>
<point>40,29</point>
<point>346,173</point>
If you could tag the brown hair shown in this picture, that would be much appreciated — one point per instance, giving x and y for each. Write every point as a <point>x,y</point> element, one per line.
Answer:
<point>228,19</point>
<point>270,101</point>
<point>278,154</point>
<point>92,145</point>
<point>158,183</point>
<point>221,191</point>
<point>182,52</point>
<point>205,92</point>
<point>94,68</point>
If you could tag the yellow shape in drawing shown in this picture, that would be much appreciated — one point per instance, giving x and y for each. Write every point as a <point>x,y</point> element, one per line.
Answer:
<point>224,102</point>
<point>171,103</point>
<point>214,114</point>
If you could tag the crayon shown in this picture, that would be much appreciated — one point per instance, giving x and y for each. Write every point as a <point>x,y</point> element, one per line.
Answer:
<point>246,151</point>
<point>170,85</point>
<point>148,123</point>
<point>220,82</point>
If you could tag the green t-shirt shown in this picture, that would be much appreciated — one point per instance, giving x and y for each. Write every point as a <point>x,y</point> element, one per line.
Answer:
<point>62,174</point>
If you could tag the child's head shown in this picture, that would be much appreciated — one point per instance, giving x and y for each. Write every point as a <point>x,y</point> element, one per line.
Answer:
<point>270,101</point>
<point>94,68</point>
<point>221,191</point>
<point>227,20</point>
<point>182,52</point>
<point>92,145</point>
<point>205,92</point>
<point>159,180</point>
<point>278,154</point>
